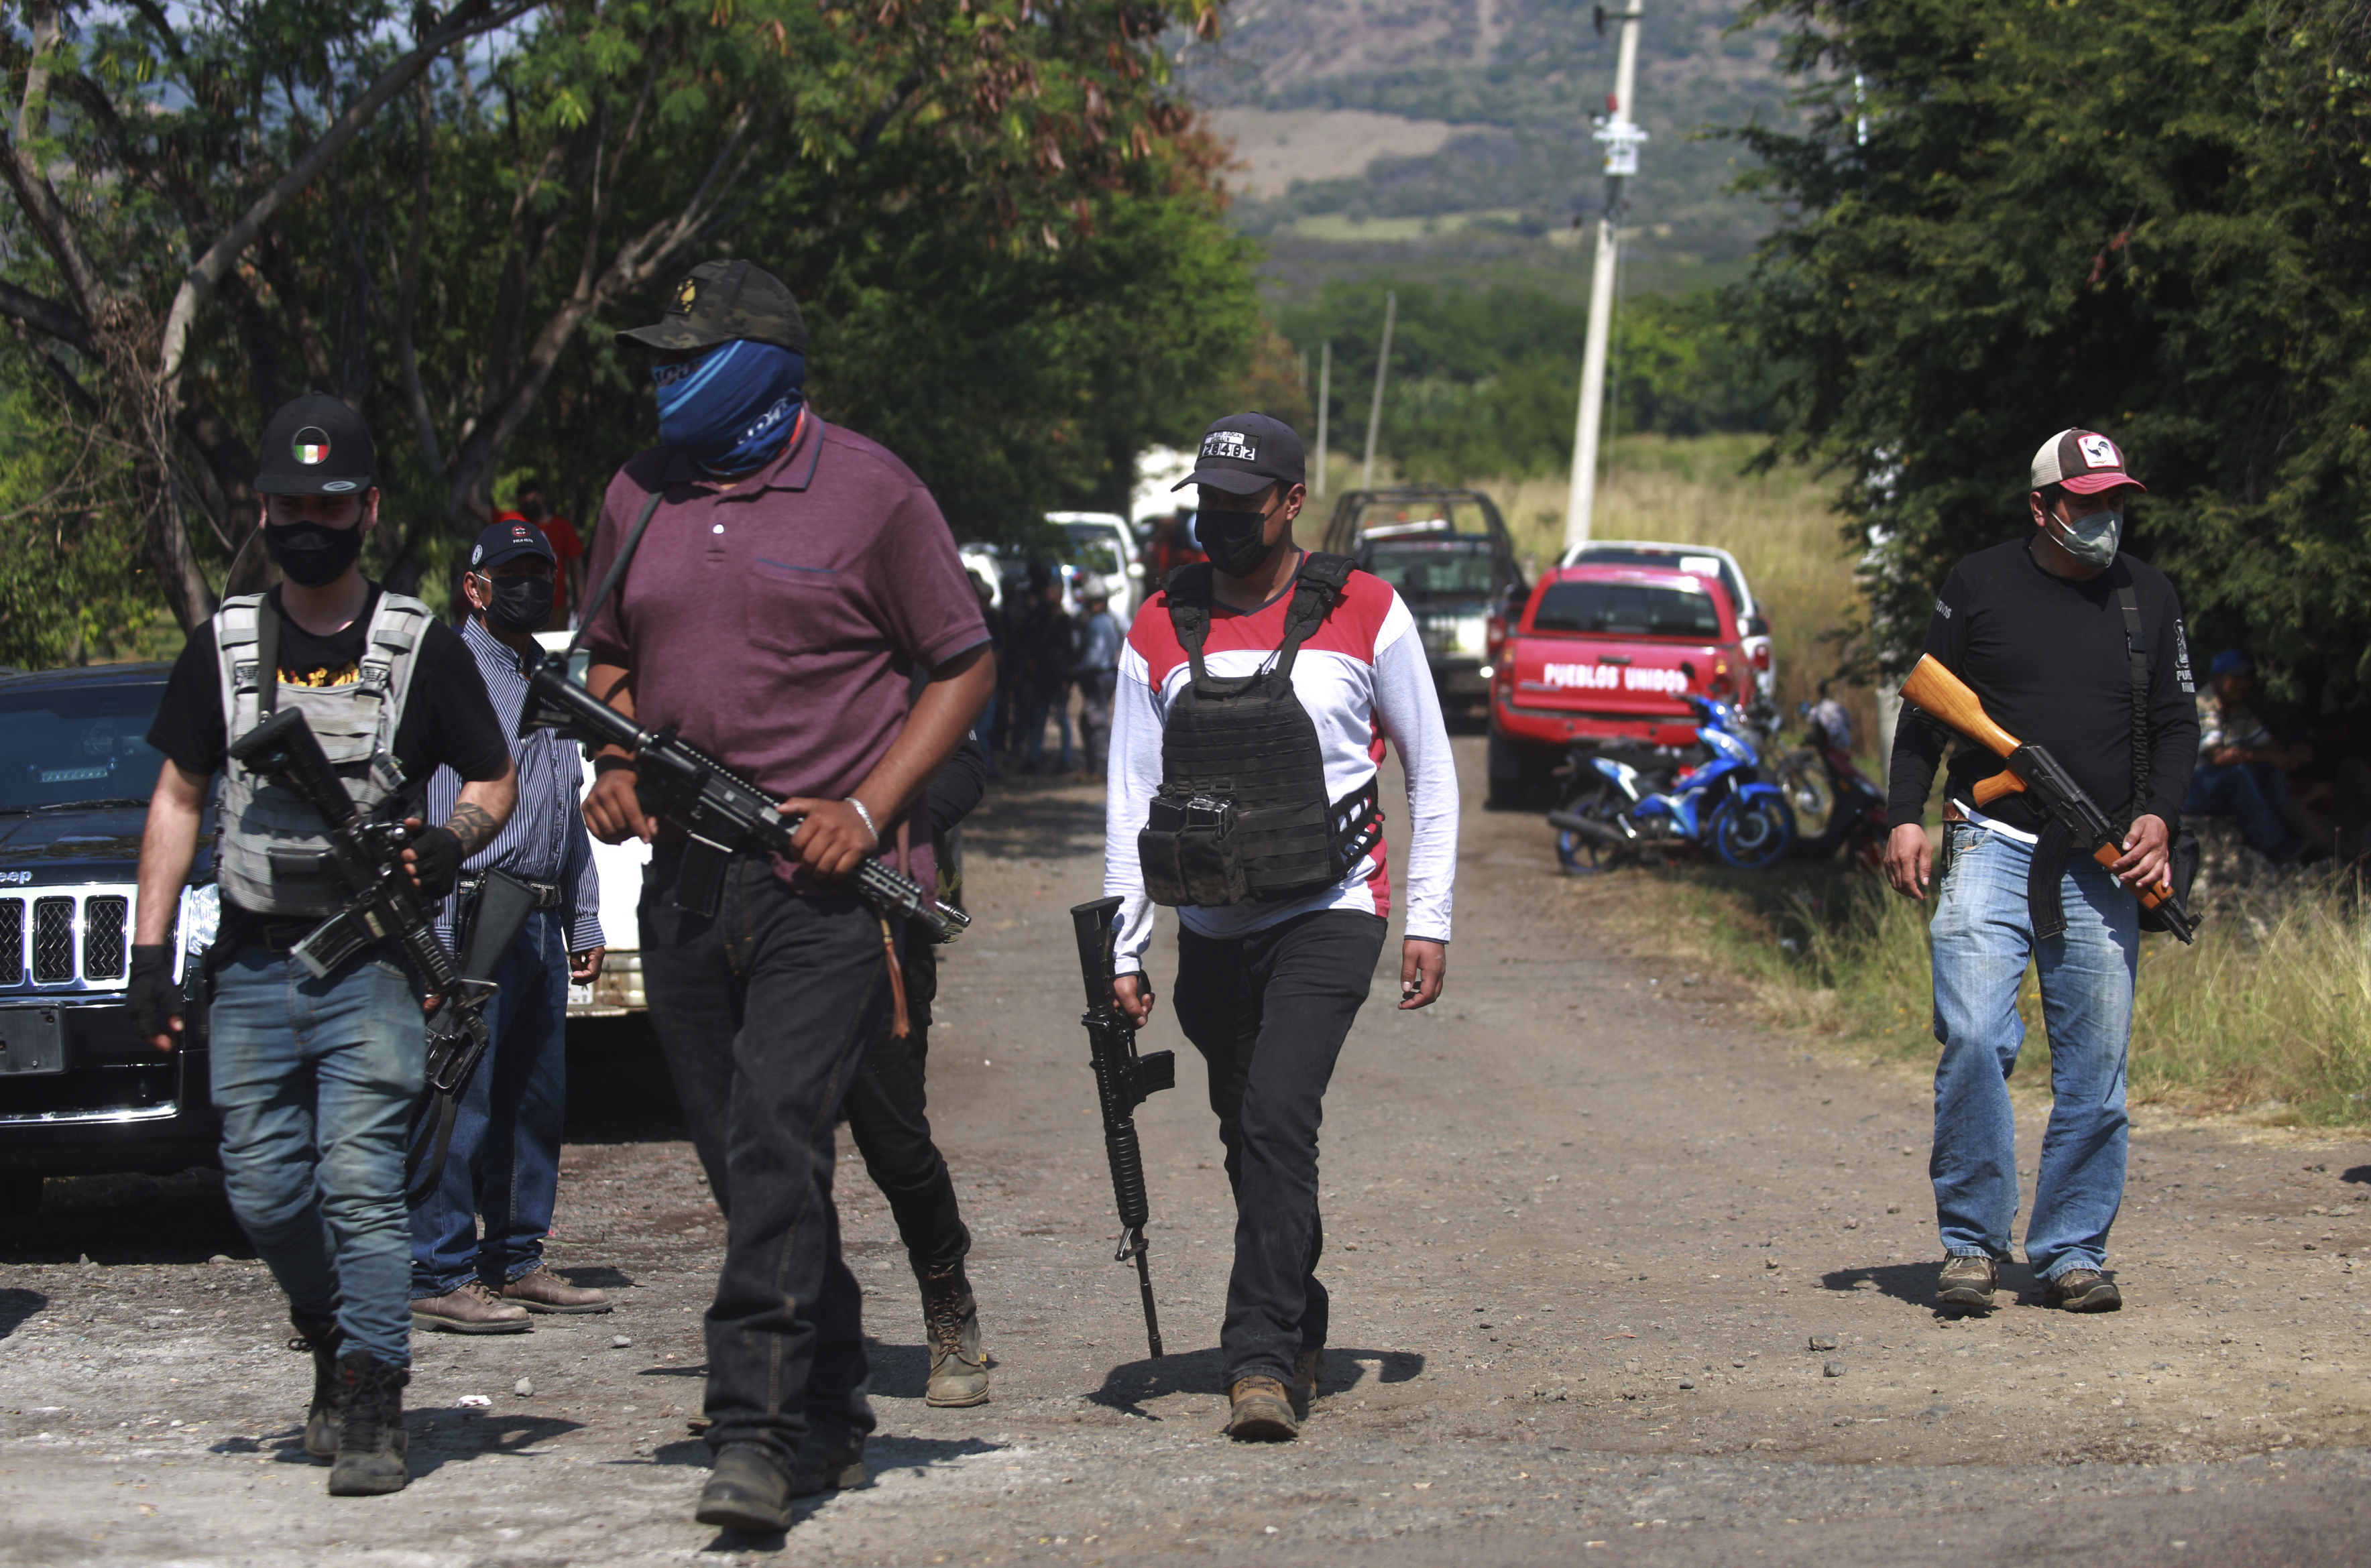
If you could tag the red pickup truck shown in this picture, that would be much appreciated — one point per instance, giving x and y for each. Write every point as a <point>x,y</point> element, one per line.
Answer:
<point>1606,655</point>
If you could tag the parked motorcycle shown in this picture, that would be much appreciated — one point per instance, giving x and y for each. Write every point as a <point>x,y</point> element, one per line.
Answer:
<point>1615,810</point>
<point>1855,819</point>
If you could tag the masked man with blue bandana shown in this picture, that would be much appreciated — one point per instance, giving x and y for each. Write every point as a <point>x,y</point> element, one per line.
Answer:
<point>794,580</point>
<point>2078,647</point>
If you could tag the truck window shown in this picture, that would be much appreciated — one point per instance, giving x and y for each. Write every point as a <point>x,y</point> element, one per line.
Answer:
<point>85,743</point>
<point>1635,609</point>
<point>1458,569</point>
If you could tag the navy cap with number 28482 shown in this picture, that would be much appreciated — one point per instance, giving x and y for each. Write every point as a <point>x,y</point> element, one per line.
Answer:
<point>1244,454</point>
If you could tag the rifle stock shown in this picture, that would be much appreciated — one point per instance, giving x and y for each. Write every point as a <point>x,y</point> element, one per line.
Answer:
<point>1938,693</point>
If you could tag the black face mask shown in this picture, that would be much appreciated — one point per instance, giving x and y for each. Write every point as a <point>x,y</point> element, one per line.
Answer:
<point>521,604</point>
<point>311,554</point>
<point>1231,540</point>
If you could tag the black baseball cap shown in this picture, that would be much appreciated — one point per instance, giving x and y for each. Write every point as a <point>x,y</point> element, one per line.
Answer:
<point>316,446</point>
<point>720,301</point>
<point>508,541</point>
<point>1244,454</point>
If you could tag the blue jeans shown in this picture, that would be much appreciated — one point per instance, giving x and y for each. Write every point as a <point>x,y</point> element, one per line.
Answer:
<point>315,1080</point>
<point>1038,704</point>
<point>505,1161</point>
<point>2252,794</point>
<point>1983,939</point>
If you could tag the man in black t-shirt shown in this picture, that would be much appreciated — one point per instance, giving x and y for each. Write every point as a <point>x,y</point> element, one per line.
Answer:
<point>2045,631</point>
<point>316,1077</point>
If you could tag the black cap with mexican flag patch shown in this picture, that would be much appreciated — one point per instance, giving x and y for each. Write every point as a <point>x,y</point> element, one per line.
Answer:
<point>2083,461</point>
<point>316,446</point>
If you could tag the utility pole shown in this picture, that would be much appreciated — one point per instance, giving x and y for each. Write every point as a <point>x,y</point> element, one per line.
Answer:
<point>1324,396</point>
<point>1621,135</point>
<point>1375,413</point>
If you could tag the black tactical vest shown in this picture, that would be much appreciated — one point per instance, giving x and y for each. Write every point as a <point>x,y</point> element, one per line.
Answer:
<point>1242,812</point>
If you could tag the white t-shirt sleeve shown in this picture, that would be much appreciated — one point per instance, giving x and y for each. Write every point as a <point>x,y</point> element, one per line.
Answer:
<point>1407,709</point>
<point>1134,779</point>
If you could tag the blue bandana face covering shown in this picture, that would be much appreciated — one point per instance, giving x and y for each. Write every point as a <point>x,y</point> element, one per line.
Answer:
<point>731,409</point>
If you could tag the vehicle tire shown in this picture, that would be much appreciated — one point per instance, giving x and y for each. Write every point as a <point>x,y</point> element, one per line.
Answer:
<point>1520,777</point>
<point>1800,773</point>
<point>1752,833</point>
<point>1577,853</point>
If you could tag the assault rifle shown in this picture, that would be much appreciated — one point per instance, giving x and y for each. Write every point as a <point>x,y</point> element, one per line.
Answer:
<point>1943,695</point>
<point>367,856</point>
<point>720,811</point>
<point>1123,1080</point>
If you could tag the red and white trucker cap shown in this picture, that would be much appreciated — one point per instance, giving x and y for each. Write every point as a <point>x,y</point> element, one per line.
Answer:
<point>2083,461</point>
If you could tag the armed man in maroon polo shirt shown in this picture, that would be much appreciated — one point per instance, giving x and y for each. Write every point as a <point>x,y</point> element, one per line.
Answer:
<point>792,578</point>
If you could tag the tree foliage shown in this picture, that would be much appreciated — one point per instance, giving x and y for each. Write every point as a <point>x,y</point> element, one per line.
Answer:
<point>2004,217</point>
<point>1000,216</point>
<point>1485,382</point>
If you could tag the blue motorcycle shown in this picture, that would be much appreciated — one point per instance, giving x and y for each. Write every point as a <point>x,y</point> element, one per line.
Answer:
<point>1615,810</point>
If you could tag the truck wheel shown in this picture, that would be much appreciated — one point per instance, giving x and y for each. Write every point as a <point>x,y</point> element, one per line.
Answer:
<point>1522,778</point>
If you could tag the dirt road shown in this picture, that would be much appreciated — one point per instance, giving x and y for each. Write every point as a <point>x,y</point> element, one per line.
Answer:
<point>1616,1273</point>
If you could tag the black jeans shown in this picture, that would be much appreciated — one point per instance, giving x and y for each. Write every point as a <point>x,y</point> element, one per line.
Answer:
<point>763,1012</point>
<point>887,1107</point>
<point>1269,1012</point>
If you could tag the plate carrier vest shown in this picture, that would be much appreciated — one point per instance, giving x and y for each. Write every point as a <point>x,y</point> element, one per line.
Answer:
<point>273,849</point>
<point>1242,813</point>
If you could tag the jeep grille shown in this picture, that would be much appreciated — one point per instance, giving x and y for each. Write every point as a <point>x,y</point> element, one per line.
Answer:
<point>52,939</point>
<point>75,939</point>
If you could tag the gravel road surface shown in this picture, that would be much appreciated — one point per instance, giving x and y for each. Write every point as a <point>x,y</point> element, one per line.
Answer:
<point>1618,1277</point>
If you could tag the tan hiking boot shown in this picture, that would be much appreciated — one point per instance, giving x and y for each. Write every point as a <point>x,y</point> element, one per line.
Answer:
<point>541,1290</point>
<point>2084,1290</point>
<point>1260,1411</point>
<point>1308,1371</point>
<point>1968,1282</point>
<point>473,1310</point>
<point>951,1323</point>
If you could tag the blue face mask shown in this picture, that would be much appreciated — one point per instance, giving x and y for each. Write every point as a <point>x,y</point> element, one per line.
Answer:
<point>733,408</point>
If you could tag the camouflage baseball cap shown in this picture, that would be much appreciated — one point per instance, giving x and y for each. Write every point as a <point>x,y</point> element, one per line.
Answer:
<point>720,301</point>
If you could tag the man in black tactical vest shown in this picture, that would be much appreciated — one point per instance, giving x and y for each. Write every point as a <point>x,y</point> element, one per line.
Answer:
<point>316,1077</point>
<point>1255,697</point>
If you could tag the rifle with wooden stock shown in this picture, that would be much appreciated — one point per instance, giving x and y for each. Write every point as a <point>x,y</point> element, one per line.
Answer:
<point>2031,770</point>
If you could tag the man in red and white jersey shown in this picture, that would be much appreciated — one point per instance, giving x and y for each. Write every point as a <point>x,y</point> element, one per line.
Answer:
<point>1255,697</point>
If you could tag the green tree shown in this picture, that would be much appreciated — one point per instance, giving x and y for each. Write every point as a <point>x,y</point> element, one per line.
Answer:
<point>2001,218</point>
<point>1001,215</point>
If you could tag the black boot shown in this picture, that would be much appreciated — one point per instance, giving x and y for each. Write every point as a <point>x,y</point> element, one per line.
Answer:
<point>319,1335</point>
<point>371,1441</point>
<point>746,1491</point>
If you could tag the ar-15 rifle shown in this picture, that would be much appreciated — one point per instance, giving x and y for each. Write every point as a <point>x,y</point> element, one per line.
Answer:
<point>1123,1080</point>
<point>720,811</point>
<point>367,857</point>
<point>1943,695</point>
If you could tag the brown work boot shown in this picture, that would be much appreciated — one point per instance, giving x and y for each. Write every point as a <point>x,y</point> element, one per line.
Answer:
<point>473,1310</point>
<point>2084,1290</point>
<point>1308,1371</point>
<point>1260,1411</point>
<point>1968,1282</point>
<point>541,1290</point>
<point>951,1321</point>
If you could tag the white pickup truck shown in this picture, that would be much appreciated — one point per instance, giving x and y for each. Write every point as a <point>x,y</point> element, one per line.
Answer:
<point>617,989</point>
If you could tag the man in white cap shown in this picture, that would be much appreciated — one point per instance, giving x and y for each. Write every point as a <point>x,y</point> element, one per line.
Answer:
<point>2079,649</point>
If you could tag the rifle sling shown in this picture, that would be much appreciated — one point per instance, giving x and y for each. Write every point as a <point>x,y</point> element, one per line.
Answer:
<point>2056,845</point>
<point>267,658</point>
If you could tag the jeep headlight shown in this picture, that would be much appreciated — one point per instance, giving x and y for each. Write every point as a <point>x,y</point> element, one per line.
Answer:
<point>201,917</point>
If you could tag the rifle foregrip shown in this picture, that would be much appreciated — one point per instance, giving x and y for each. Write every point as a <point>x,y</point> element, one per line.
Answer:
<point>1127,1174</point>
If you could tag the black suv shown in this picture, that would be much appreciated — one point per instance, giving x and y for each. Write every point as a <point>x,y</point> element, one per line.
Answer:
<point>79,1093</point>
